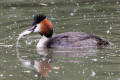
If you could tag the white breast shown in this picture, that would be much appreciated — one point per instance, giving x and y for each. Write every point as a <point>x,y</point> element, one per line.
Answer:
<point>43,42</point>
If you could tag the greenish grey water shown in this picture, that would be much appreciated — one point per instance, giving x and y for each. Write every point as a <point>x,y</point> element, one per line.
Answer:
<point>100,17</point>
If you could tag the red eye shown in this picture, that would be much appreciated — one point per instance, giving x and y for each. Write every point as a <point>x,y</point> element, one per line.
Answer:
<point>35,26</point>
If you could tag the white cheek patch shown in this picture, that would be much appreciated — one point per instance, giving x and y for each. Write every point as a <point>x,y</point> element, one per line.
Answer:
<point>37,29</point>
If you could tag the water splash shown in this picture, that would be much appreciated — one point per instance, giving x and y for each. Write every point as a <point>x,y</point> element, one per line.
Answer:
<point>21,35</point>
<point>26,32</point>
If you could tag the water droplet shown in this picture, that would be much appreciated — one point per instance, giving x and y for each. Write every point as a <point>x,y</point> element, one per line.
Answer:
<point>93,74</point>
<point>108,31</point>
<point>56,67</point>
<point>13,7</point>
<point>110,28</point>
<point>35,75</point>
<point>15,22</point>
<point>28,43</point>
<point>75,10</point>
<point>43,4</point>
<point>1,75</point>
<point>63,27</point>
<point>52,18</point>
<point>4,61</point>
<point>105,21</point>
<point>77,4</point>
<point>52,2</point>
<point>76,24</point>
<point>94,60</point>
<point>117,2</point>
<point>84,16</point>
<point>15,16</point>
<point>71,14</point>
<point>56,72</point>
<point>102,57</point>
<point>26,71</point>
<point>10,75</point>
<point>63,72</point>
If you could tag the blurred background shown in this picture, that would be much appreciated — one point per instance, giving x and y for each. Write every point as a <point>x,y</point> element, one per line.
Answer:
<point>99,17</point>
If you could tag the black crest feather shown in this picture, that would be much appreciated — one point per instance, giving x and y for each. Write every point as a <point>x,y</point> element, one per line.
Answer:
<point>38,18</point>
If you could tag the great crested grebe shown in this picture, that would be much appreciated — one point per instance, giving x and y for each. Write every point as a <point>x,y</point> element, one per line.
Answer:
<point>44,27</point>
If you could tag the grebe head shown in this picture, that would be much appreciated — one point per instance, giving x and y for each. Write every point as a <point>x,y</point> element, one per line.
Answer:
<point>42,26</point>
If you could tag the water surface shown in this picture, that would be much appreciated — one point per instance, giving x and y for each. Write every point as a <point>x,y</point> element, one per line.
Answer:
<point>100,17</point>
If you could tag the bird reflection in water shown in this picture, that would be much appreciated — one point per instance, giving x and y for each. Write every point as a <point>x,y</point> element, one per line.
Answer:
<point>41,67</point>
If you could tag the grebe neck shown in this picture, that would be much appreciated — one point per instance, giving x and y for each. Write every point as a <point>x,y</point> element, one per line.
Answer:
<point>43,42</point>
